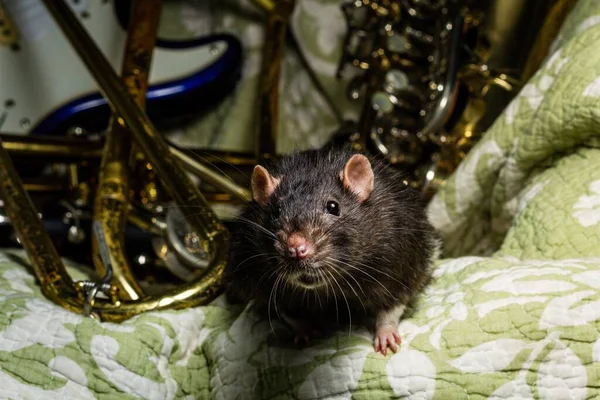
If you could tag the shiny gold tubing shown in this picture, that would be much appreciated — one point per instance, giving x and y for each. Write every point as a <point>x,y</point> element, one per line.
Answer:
<point>268,6</point>
<point>44,147</point>
<point>113,195</point>
<point>145,134</point>
<point>548,32</point>
<point>234,159</point>
<point>212,177</point>
<point>172,176</point>
<point>54,281</point>
<point>268,86</point>
<point>70,150</point>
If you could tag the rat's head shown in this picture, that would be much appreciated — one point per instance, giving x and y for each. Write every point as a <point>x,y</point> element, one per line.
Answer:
<point>312,206</point>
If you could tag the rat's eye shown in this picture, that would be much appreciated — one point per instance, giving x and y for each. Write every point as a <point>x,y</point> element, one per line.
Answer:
<point>333,208</point>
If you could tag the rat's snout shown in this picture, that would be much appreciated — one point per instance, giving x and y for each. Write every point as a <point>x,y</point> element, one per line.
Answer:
<point>299,247</point>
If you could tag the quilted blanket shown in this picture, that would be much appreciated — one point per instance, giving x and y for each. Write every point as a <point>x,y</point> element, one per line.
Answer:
<point>513,312</point>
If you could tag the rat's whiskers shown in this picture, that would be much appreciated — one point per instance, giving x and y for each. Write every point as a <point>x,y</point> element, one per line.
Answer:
<point>328,230</point>
<point>337,312</point>
<point>222,159</point>
<point>260,227</point>
<point>384,273</point>
<point>365,273</point>
<point>316,292</point>
<point>274,291</point>
<point>347,304</point>
<point>277,268</point>
<point>254,256</point>
<point>339,272</point>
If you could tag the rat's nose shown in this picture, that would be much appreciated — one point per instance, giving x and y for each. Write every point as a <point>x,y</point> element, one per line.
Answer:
<point>298,246</point>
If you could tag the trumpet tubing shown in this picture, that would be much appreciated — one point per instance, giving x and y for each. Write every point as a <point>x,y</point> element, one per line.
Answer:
<point>268,86</point>
<point>114,193</point>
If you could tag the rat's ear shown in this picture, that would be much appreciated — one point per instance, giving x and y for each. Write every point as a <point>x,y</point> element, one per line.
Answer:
<point>358,176</point>
<point>263,185</point>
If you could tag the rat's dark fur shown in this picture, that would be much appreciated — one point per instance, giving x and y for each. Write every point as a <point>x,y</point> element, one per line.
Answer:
<point>375,255</point>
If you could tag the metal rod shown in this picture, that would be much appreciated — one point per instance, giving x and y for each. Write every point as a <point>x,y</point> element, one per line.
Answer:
<point>268,86</point>
<point>211,176</point>
<point>43,147</point>
<point>58,149</point>
<point>269,6</point>
<point>547,33</point>
<point>113,194</point>
<point>64,149</point>
<point>55,283</point>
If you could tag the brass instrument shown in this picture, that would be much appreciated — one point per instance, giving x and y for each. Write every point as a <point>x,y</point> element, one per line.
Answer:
<point>434,74</point>
<point>132,177</point>
<point>123,295</point>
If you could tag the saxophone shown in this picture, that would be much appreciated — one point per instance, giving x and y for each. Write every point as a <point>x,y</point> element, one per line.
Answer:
<point>433,75</point>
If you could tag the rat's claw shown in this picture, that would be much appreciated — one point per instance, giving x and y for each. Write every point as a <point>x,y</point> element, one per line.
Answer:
<point>386,336</point>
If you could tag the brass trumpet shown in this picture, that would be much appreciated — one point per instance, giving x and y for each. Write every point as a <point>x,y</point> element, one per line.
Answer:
<point>195,251</point>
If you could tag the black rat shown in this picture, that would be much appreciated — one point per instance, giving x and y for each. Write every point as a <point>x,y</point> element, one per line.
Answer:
<point>331,233</point>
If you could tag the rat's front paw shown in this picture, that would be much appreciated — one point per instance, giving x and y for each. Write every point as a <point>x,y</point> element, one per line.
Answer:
<point>384,337</point>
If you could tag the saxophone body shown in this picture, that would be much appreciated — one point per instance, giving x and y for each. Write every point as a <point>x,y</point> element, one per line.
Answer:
<point>433,75</point>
